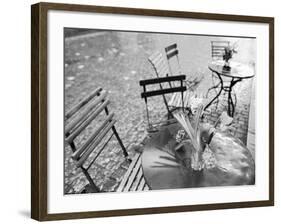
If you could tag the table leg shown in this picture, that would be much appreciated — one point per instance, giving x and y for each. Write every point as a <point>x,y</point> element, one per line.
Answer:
<point>231,106</point>
<point>230,110</point>
<point>218,94</point>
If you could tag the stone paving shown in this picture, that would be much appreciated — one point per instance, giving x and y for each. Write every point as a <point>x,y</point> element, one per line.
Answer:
<point>239,127</point>
<point>116,62</point>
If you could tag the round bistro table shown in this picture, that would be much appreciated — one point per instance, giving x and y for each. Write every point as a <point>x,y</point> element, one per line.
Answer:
<point>236,72</point>
<point>165,169</point>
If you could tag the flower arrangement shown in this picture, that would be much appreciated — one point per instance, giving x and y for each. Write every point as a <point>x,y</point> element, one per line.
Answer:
<point>228,53</point>
<point>201,155</point>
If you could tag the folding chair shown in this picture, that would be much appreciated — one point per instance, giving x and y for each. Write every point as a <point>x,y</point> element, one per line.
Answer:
<point>161,69</point>
<point>172,55</point>
<point>162,92</point>
<point>78,119</point>
<point>217,49</point>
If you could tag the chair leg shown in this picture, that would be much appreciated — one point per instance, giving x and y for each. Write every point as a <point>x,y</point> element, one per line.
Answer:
<point>120,142</point>
<point>90,180</point>
<point>117,136</point>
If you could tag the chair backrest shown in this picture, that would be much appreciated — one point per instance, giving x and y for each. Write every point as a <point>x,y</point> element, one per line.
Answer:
<point>172,55</point>
<point>217,49</point>
<point>162,91</point>
<point>80,117</point>
<point>159,65</point>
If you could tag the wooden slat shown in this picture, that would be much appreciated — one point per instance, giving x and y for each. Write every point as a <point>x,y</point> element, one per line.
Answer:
<point>163,91</point>
<point>137,181</point>
<point>160,65</point>
<point>219,55</point>
<point>220,46</point>
<point>78,152</point>
<point>158,60</point>
<point>141,185</point>
<point>97,140</point>
<point>164,70</point>
<point>77,131</point>
<point>186,98</point>
<point>172,100</point>
<point>155,57</point>
<point>83,102</point>
<point>172,54</point>
<point>172,46</point>
<point>162,79</point>
<point>218,51</point>
<point>83,116</point>
<point>128,173</point>
<point>175,100</point>
<point>133,176</point>
<point>99,151</point>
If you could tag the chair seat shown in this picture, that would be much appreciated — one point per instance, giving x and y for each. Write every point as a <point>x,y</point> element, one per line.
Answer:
<point>176,100</point>
<point>133,179</point>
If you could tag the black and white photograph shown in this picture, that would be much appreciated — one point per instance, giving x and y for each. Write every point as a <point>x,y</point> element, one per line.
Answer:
<point>148,111</point>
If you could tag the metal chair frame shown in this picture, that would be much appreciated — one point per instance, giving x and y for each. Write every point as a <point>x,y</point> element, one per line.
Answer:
<point>162,91</point>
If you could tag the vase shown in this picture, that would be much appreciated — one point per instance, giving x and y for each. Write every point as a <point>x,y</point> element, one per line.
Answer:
<point>233,164</point>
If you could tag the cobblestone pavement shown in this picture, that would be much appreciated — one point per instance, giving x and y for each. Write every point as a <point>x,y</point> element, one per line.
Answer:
<point>239,127</point>
<point>116,61</point>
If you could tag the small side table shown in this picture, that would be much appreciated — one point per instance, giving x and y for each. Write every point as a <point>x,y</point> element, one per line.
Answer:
<point>237,72</point>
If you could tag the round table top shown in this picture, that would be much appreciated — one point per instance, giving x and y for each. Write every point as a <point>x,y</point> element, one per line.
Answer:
<point>161,168</point>
<point>237,70</point>
<point>165,169</point>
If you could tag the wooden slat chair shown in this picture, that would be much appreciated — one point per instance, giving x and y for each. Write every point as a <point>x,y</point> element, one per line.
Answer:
<point>172,55</point>
<point>217,49</point>
<point>78,119</point>
<point>133,180</point>
<point>161,69</point>
<point>162,92</point>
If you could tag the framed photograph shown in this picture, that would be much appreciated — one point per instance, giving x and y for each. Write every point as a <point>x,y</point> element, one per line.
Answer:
<point>139,111</point>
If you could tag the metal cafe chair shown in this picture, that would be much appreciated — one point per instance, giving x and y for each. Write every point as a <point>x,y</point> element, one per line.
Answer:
<point>161,69</point>
<point>162,91</point>
<point>217,49</point>
<point>172,55</point>
<point>78,119</point>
